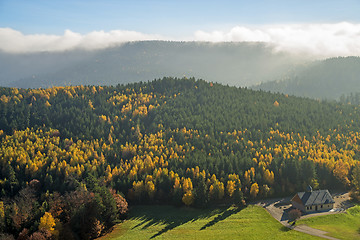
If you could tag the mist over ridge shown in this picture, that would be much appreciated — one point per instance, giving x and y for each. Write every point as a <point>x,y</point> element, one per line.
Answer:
<point>329,79</point>
<point>310,60</point>
<point>316,40</point>
<point>233,63</point>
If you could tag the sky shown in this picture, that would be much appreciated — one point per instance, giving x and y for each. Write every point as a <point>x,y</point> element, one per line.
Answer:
<point>322,26</point>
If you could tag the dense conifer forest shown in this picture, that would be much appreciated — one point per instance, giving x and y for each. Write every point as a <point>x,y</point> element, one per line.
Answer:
<point>71,158</point>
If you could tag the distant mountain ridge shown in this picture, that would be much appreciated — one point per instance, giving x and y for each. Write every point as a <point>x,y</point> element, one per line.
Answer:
<point>230,63</point>
<point>238,64</point>
<point>327,79</point>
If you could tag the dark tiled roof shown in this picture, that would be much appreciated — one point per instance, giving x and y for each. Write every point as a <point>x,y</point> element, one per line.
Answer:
<point>316,197</point>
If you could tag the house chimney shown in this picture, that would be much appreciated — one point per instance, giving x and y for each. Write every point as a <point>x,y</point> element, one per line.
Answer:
<point>309,189</point>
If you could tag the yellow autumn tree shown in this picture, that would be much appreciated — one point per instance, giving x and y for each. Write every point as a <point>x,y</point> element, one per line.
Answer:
<point>221,190</point>
<point>150,189</point>
<point>2,215</point>
<point>254,190</point>
<point>47,222</point>
<point>188,198</point>
<point>341,171</point>
<point>269,176</point>
<point>91,105</point>
<point>138,188</point>
<point>230,188</point>
<point>103,118</point>
<point>177,184</point>
<point>187,185</point>
<point>2,210</point>
<point>217,190</point>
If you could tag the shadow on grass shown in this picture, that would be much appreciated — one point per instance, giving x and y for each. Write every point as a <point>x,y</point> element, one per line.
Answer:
<point>221,217</point>
<point>284,229</point>
<point>173,217</point>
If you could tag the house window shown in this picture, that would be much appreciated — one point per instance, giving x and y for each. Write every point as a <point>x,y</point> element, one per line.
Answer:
<point>321,206</point>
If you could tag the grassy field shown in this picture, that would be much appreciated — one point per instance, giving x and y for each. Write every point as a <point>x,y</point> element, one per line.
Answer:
<point>167,222</point>
<point>342,225</point>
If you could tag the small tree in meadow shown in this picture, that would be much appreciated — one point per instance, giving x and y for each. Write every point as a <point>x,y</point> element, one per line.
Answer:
<point>294,215</point>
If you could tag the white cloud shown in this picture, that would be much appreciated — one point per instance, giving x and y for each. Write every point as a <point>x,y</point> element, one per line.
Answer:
<point>236,34</point>
<point>16,42</point>
<point>320,40</point>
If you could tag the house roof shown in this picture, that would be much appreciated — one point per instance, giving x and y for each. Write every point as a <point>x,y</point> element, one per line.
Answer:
<point>315,197</point>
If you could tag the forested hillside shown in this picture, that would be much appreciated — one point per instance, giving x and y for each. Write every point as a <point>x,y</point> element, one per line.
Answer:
<point>238,64</point>
<point>327,79</point>
<point>180,141</point>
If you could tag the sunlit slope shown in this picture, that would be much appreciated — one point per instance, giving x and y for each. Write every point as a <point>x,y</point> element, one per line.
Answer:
<point>178,141</point>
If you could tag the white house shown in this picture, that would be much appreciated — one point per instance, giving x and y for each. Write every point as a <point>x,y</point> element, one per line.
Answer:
<point>310,201</point>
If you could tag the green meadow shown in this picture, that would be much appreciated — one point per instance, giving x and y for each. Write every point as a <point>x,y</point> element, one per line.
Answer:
<point>342,225</point>
<point>168,222</point>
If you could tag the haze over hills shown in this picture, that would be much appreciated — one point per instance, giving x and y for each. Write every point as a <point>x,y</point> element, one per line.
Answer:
<point>238,64</point>
<point>327,79</point>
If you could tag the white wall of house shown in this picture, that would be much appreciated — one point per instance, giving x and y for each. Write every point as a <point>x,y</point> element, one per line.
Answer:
<point>319,208</point>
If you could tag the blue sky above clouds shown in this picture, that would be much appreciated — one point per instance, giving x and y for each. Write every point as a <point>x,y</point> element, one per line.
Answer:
<point>166,17</point>
<point>86,23</point>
